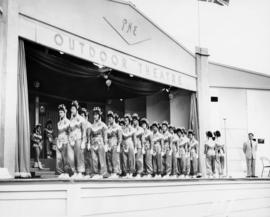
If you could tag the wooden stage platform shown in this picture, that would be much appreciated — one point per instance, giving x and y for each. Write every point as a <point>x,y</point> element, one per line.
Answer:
<point>136,197</point>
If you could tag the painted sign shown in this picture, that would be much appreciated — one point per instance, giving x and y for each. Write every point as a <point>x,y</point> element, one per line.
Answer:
<point>82,48</point>
<point>130,31</point>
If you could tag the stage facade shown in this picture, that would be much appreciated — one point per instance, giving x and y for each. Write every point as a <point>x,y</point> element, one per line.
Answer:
<point>115,34</point>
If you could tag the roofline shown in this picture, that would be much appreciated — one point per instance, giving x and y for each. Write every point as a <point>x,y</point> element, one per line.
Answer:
<point>240,69</point>
<point>132,5</point>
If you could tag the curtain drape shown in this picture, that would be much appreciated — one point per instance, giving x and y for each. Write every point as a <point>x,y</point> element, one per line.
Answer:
<point>193,121</point>
<point>22,153</point>
<point>71,74</point>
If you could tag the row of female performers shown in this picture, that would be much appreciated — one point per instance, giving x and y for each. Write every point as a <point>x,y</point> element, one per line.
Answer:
<point>125,147</point>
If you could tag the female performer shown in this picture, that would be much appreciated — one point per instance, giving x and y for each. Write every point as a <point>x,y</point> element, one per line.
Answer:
<point>138,145</point>
<point>114,145</point>
<point>37,145</point>
<point>48,139</point>
<point>194,155</point>
<point>158,143</point>
<point>147,147</point>
<point>185,140</point>
<point>210,154</point>
<point>87,152</point>
<point>63,148</point>
<point>175,144</point>
<point>128,147</point>
<point>167,151</point>
<point>97,143</point>
<point>181,153</point>
<point>76,139</point>
<point>220,153</point>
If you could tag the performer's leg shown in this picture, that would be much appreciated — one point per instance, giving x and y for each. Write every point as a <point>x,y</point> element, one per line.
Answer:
<point>174,162</point>
<point>102,159</point>
<point>87,162</point>
<point>139,161</point>
<point>115,160</point>
<point>253,167</point>
<point>70,157</point>
<point>168,161</point>
<point>208,166</point>
<point>148,163</point>
<point>131,159</point>
<point>109,161</point>
<point>59,162</point>
<point>79,156</point>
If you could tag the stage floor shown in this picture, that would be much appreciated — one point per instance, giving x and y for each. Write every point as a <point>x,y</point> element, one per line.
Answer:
<point>136,197</point>
<point>131,180</point>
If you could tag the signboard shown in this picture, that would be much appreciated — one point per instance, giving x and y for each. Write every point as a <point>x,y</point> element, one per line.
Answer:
<point>97,53</point>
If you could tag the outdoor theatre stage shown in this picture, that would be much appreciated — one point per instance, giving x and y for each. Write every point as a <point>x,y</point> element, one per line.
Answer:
<point>102,34</point>
<point>159,197</point>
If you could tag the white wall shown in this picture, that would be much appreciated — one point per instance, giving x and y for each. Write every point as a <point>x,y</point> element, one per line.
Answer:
<point>180,109</point>
<point>227,76</point>
<point>259,121</point>
<point>245,111</point>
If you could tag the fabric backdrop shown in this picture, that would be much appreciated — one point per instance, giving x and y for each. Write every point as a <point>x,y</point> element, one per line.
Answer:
<point>22,152</point>
<point>69,77</point>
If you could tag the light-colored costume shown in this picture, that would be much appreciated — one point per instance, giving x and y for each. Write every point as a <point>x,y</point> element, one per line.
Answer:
<point>175,144</point>
<point>194,155</point>
<point>128,154</point>
<point>167,157</point>
<point>76,137</point>
<point>138,149</point>
<point>148,149</point>
<point>114,145</point>
<point>220,156</point>
<point>158,143</point>
<point>64,152</point>
<point>87,151</point>
<point>182,159</point>
<point>210,157</point>
<point>98,140</point>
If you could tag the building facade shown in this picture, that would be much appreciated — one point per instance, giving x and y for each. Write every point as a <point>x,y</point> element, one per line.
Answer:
<point>117,35</point>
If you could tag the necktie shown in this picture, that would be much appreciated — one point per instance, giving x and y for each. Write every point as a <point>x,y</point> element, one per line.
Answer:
<point>250,143</point>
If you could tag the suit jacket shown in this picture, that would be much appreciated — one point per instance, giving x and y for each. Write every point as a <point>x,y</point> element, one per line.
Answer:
<point>250,149</point>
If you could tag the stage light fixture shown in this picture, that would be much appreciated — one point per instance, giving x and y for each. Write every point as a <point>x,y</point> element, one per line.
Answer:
<point>130,75</point>
<point>108,82</point>
<point>61,52</point>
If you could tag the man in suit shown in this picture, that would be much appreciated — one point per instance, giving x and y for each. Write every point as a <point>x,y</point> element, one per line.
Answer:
<point>250,149</point>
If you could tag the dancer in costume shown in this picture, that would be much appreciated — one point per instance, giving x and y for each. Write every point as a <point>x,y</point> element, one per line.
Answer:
<point>114,146</point>
<point>138,145</point>
<point>63,148</point>
<point>77,140</point>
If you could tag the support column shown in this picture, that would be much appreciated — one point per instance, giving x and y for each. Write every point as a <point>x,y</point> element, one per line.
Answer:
<point>203,97</point>
<point>8,84</point>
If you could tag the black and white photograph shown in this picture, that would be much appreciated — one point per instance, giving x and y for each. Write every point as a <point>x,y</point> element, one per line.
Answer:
<point>117,108</point>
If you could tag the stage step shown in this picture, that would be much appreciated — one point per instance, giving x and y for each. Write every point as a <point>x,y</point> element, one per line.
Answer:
<point>45,173</point>
<point>48,163</point>
<point>48,170</point>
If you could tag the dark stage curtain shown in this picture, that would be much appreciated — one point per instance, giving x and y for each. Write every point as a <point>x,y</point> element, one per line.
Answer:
<point>194,121</point>
<point>22,152</point>
<point>83,73</point>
